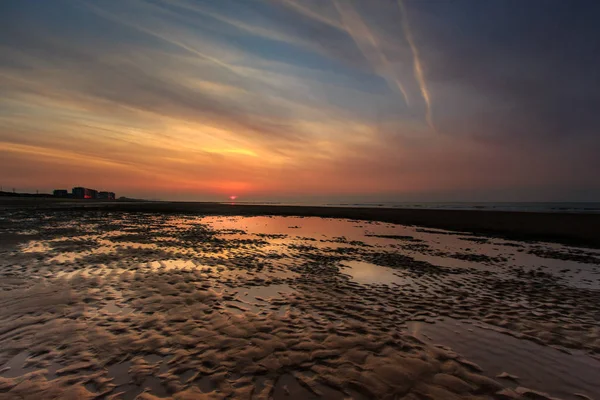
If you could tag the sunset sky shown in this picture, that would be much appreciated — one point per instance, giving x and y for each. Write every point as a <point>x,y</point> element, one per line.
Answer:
<point>302,99</point>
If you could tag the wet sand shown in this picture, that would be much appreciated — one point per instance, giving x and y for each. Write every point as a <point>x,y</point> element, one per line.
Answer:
<point>109,304</point>
<point>568,228</point>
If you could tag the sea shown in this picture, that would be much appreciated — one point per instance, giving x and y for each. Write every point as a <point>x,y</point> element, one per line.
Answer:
<point>558,207</point>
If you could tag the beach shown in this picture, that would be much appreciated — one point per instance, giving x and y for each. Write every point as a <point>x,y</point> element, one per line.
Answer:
<point>208,301</point>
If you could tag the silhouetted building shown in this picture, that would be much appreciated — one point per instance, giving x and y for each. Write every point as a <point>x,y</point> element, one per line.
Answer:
<point>61,193</point>
<point>106,196</point>
<point>84,193</point>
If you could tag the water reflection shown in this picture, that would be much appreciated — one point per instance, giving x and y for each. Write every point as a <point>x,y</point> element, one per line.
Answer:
<point>536,366</point>
<point>367,273</point>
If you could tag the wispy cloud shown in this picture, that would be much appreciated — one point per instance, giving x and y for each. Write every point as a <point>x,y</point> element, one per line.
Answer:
<point>312,14</point>
<point>369,46</point>
<point>417,64</point>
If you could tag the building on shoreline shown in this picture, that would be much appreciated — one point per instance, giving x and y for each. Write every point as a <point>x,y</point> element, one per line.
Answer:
<point>106,196</point>
<point>76,193</point>
<point>84,193</point>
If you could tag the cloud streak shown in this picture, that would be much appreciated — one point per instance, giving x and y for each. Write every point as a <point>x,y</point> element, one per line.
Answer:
<point>369,46</point>
<point>417,64</point>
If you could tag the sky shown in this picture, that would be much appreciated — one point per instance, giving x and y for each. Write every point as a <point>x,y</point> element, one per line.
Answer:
<point>375,100</point>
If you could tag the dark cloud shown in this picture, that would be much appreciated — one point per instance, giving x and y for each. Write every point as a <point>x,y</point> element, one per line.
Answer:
<point>535,62</point>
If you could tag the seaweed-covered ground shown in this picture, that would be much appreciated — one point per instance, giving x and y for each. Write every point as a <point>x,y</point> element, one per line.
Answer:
<point>116,305</point>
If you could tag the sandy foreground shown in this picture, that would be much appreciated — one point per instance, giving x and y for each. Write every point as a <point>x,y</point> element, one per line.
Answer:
<point>106,303</point>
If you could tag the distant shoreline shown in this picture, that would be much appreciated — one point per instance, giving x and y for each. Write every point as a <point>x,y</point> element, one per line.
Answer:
<point>567,228</point>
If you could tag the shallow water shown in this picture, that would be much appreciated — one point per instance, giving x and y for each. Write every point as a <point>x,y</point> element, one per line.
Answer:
<point>367,273</point>
<point>16,366</point>
<point>535,366</point>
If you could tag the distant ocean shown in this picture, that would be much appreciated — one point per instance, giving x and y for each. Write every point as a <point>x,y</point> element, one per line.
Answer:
<point>567,207</point>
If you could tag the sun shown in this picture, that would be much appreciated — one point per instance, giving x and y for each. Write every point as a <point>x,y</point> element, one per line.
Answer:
<point>233,197</point>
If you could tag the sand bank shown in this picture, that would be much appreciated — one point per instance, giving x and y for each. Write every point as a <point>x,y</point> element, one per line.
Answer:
<point>574,229</point>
